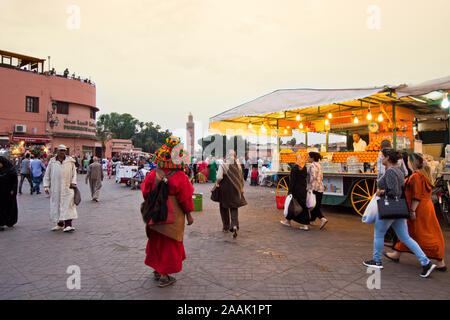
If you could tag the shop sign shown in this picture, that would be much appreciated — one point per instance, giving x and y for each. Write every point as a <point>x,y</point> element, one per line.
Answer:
<point>333,186</point>
<point>79,125</point>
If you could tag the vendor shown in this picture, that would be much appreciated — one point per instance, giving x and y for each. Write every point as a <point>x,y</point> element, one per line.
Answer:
<point>359,145</point>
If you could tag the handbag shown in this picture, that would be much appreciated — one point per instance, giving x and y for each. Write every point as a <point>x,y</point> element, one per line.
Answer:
<point>76,196</point>
<point>294,209</point>
<point>215,194</point>
<point>392,208</point>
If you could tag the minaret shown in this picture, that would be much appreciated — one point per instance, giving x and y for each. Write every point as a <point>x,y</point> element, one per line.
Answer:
<point>190,135</point>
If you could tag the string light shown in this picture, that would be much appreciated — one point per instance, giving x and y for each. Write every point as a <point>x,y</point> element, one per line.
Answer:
<point>356,120</point>
<point>330,116</point>
<point>298,117</point>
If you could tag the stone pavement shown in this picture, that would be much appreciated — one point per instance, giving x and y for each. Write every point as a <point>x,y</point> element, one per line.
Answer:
<point>266,261</point>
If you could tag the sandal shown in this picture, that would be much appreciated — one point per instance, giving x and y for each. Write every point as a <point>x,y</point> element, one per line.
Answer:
<point>166,282</point>
<point>392,259</point>
<point>156,275</point>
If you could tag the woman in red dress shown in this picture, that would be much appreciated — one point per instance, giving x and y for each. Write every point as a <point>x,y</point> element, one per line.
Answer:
<point>165,250</point>
<point>423,225</point>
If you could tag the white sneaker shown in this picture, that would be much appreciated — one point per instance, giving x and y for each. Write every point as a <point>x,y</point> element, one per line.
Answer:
<point>304,228</point>
<point>57,228</point>
<point>285,223</point>
<point>324,222</point>
<point>68,229</point>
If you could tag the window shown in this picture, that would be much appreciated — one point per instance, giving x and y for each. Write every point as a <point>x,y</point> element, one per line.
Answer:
<point>62,107</point>
<point>93,113</point>
<point>32,104</point>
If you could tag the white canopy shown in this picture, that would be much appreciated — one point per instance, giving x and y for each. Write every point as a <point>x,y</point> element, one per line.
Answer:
<point>294,99</point>
<point>424,88</point>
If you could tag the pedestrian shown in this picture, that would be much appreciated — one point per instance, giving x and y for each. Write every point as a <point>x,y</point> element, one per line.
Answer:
<point>297,187</point>
<point>423,226</point>
<point>60,180</point>
<point>230,182</point>
<point>25,173</point>
<point>315,184</point>
<point>8,194</point>
<point>37,170</point>
<point>95,177</point>
<point>165,250</point>
<point>77,163</point>
<point>254,176</point>
<point>109,168</point>
<point>213,170</point>
<point>85,164</point>
<point>391,186</point>
<point>247,167</point>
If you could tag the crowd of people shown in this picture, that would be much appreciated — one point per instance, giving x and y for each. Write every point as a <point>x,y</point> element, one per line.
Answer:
<point>168,188</point>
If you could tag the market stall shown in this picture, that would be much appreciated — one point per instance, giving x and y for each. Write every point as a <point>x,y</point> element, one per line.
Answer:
<point>349,177</point>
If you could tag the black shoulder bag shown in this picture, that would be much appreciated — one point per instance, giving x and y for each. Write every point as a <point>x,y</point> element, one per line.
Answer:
<point>393,208</point>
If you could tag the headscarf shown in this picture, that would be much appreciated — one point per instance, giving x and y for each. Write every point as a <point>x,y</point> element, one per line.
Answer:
<point>172,155</point>
<point>233,171</point>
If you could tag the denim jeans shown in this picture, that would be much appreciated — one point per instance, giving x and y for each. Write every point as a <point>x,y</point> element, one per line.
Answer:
<point>22,178</point>
<point>401,229</point>
<point>37,182</point>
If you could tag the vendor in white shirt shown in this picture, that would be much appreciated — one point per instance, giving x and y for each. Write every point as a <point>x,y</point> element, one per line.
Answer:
<point>359,144</point>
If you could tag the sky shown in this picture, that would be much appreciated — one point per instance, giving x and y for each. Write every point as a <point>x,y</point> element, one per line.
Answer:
<point>161,59</point>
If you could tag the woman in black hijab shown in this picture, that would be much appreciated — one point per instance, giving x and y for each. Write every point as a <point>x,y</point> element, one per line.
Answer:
<point>8,194</point>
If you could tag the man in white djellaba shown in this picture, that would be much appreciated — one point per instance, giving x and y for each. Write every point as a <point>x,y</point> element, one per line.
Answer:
<point>59,181</point>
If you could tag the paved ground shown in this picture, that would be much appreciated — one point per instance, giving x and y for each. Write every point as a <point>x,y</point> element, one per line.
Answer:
<point>266,261</point>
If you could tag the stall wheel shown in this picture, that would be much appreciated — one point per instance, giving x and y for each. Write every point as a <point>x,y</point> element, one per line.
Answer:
<point>362,193</point>
<point>283,186</point>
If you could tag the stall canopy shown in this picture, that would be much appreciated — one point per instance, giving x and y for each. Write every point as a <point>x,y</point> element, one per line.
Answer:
<point>424,88</point>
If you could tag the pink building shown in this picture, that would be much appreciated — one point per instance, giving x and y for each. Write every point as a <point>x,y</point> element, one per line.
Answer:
<point>114,147</point>
<point>42,108</point>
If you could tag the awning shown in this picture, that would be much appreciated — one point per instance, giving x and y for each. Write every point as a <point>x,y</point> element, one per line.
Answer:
<point>31,139</point>
<point>294,99</point>
<point>424,88</point>
<point>4,139</point>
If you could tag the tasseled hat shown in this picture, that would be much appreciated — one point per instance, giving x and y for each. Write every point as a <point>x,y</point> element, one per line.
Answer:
<point>172,155</point>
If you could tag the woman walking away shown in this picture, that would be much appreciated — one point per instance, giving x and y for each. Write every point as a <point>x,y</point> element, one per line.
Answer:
<point>391,186</point>
<point>165,250</point>
<point>315,184</point>
<point>297,187</point>
<point>230,182</point>
<point>8,194</point>
<point>423,226</point>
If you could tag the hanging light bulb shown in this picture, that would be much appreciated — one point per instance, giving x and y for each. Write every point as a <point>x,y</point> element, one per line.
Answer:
<point>288,127</point>
<point>301,126</point>
<point>263,128</point>
<point>249,125</point>
<point>297,117</point>
<point>445,103</point>
<point>327,122</point>
<point>285,131</point>
<point>380,118</point>
<point>369,116</point>
<point>330,116</point>
<point>356,120</point>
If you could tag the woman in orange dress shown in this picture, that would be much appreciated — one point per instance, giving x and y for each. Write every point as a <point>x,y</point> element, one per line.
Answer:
<point>423,225</point>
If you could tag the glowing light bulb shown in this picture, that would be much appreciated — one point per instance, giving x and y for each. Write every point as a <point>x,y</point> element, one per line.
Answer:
<point>330,116</point>
<point>380,118</point>
<point>445,103</point>
<point>285,131</point>
<point>356,120</point>
<point>369,116</point>
<point>249,125</point>
<point>301,126</point>
<point>298,117</point>
<point>327,122</point>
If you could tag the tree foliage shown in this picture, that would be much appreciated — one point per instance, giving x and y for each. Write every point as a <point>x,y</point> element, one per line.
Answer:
<point>145,135</point>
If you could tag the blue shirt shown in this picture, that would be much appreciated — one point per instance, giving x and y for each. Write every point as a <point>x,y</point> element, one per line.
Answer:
<point>36,168</point>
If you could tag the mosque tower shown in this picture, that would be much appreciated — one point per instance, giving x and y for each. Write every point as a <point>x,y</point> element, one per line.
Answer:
<point>190,135</point>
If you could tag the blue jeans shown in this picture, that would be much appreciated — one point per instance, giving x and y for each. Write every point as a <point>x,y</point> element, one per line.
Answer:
<point>36,183</point>
<point>401,229</point>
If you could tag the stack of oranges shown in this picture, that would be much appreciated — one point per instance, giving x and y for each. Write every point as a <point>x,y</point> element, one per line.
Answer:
<point>374,145</point>
<point>341,157</point>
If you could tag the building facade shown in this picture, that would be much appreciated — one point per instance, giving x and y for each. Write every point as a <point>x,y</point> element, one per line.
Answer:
<point>114,147</point>
<point>42,109</point>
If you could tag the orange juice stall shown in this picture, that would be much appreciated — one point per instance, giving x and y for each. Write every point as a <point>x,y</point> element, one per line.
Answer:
<point>349,177</point>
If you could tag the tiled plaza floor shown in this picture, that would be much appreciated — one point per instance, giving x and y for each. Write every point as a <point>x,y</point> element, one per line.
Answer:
<point>266,261</point>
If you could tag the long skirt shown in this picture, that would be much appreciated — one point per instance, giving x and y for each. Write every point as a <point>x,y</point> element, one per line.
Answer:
<point>164,254</point>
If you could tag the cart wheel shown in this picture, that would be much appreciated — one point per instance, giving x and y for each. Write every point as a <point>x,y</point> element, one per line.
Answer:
<point>283,186</point>
<point>362,193</point>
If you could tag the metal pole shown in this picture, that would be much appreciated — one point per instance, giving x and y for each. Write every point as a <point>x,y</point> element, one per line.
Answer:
<point>328,136</point>
<point>394,131</point>
<point>306,139</point>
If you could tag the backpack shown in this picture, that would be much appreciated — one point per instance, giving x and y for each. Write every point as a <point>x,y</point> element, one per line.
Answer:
<point>154,207</point>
